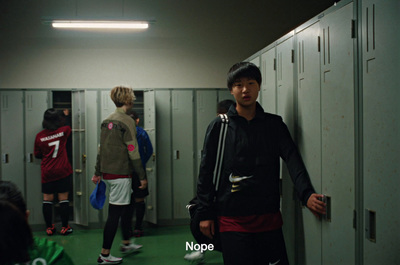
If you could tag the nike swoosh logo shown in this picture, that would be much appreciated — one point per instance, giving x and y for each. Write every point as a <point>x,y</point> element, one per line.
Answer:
<point>274,262</point>
<point>234,179</point>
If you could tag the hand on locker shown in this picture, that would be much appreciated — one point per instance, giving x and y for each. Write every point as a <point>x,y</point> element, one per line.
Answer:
<point>316,205</point>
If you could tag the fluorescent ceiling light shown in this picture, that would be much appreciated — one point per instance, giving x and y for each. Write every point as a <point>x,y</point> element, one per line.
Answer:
<point>99,24</point>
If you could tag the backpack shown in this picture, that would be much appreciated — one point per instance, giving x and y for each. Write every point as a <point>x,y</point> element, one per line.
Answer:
<point>194,203</point>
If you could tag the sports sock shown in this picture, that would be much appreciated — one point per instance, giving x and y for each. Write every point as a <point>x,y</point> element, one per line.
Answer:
<point>48,213</point>
<point>64,212</point>
<point>140,210</point>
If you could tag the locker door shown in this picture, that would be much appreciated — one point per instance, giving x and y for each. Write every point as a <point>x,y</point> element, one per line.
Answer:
<point>338,152</point>
<point>309,135</point>
<point>92,142</point>
<point>206,109</point>
<point>80,189</point>
<point>285,109</point>
<point>151,166</point>
<point>268,86</point>
<point>107,105</point>
<point>36,103</point>
<point>164,154</point>
<point>12,138</point>
<point>183,152</point>
<point>381,131</point>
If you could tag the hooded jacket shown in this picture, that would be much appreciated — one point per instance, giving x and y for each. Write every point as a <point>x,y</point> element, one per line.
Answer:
<point>118,152</point>
<point>249,183</point>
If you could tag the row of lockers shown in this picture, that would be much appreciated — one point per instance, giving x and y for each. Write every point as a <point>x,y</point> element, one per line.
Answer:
<point>335,82</point>
<point>175,119</point>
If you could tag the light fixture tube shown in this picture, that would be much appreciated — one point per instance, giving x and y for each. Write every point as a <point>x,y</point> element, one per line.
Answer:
<point>100,24</point>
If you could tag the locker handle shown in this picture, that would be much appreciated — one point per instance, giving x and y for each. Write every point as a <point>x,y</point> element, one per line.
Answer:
<point>30,157</point>
<point>5,159</point>
<point>176,154</point>
<point>328,202</point>
<point>370,225</point>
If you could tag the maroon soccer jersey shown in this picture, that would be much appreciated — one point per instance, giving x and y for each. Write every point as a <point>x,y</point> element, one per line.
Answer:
<point>51,146</point>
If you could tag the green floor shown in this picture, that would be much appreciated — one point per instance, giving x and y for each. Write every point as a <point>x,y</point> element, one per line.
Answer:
<point>161,246</point>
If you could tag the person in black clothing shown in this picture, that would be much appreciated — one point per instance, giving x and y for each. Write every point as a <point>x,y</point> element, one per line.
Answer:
<point>224,105</point>
<point>247,203</point>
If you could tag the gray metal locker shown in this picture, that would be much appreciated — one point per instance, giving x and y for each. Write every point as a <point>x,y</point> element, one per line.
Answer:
<point>183,152</point>
<point>79,136</point>
<point>151,166</point>
<point>285,108</point>
<point>206,109</point>
<point>164,155</point>
<point>268,86</point>
<point>256,61</point>
<point>381,131</point>
<point>225,94</point>
<point>12,138</point>
<point>107,105</point>
<point>338,144</point>
<point>21,119</point>
<point>36,103</point>
<point>308,136</point>
<point>92,142</point>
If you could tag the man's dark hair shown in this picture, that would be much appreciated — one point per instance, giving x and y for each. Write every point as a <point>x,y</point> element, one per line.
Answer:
<point>243,69</point>
<point>52,119</point>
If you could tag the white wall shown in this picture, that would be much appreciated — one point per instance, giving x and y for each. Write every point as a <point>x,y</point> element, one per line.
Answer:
<point>192,44</point>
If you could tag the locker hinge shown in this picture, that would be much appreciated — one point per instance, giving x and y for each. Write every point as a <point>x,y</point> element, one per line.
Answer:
<point>354,219</point>
<point>353,29</point>
<point>292,56</point>
<point>274,64</point>
<point>319,44</point>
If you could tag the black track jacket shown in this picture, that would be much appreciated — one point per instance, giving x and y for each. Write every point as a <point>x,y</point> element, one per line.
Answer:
<point>252,149</point>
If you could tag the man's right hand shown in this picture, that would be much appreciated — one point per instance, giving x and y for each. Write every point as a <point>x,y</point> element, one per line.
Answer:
<point>96,179</point>
<point>207,228</point>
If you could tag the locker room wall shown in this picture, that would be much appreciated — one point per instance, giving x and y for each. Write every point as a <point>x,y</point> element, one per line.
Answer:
<point>175,52</point>
<point>346,121</point>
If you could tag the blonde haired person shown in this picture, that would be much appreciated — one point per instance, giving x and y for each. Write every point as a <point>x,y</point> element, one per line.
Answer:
<point>117,158</point>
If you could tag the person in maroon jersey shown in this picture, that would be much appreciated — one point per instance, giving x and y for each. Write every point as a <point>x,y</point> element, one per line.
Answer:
<point>50,146</point>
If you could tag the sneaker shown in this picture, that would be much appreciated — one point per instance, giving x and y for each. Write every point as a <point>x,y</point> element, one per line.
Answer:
<point>130,248</point>
<point>109,260</point>
<point>138,233</point>
<point>196,257</point>
<point>66,230</point>
<point>51,230</point>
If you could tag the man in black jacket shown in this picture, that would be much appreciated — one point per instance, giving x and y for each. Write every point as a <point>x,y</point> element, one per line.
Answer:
<point>247,203</point>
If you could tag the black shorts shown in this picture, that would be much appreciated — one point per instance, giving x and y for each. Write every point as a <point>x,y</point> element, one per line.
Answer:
<point>138,193</point>
<point>58,186</point>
